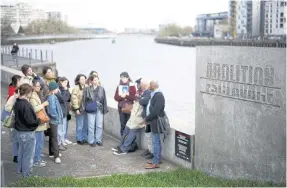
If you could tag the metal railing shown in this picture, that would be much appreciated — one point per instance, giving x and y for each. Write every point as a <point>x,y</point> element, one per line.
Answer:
<point>25,56</point>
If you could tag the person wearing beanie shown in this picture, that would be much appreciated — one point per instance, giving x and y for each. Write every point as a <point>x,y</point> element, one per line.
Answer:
<point>125,95</point>
<point>55,114</point>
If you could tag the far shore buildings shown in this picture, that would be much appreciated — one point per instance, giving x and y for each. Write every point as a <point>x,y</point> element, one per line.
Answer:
<point>205,23</point>
<point>253,18</point>
<point>21,14</point>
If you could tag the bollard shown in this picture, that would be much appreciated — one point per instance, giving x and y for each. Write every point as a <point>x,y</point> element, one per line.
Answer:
<point>46,55</point>
<point>41,56</point>
<point>52,57</point>
<point>27,53</point>
<point>36,54</point>
<point>23,52</point>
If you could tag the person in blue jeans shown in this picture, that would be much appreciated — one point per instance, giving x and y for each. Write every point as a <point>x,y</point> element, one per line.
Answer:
<point>81,117</point>
<point>37,104</point>
<point>94,103</point>
<point>64,89</point>
<point>154,109</point>
<point>26,122</point>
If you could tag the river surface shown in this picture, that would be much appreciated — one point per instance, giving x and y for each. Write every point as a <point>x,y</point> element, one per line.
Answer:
<point>172,66</point>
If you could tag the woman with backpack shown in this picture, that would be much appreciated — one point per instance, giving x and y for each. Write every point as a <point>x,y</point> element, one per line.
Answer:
<point>94,103</point>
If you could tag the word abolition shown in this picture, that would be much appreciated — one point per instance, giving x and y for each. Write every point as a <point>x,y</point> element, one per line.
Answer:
<point>253,84</point>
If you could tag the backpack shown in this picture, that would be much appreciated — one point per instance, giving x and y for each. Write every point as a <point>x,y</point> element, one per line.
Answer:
<point>134,146</point>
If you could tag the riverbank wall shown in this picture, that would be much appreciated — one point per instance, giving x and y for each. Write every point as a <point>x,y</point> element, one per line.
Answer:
<point>220,42</point>
<point>50,39</point>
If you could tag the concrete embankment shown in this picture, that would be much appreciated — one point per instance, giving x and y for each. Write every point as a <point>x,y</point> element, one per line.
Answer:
<point>220,42</point>
<point>50,39</point>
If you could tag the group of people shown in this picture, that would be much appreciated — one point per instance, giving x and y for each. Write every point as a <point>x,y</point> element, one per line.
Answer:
<point>42,106</point>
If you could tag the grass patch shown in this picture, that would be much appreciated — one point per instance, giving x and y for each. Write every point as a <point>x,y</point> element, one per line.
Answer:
<point>176,178</point>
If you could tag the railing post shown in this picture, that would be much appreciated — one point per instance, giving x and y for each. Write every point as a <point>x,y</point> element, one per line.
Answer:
<point>52,58</point>
<point>36,54</point>
<point>27,53</point>
<point>46,55</point>
<point>2,59</point>
<point>17,63</point>
<point>41,56</point>
<point>30,56</point>
<point>23,55</point>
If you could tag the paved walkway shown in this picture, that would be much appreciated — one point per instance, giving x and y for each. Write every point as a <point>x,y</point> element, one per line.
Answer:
<point>78,161</point>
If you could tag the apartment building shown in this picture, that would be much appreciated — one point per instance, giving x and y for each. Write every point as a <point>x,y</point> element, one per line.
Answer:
<point>8,14</point>
<point>54,16</point>
<point>275,18</point>
<point>248,18</point>
<point>20,14</point>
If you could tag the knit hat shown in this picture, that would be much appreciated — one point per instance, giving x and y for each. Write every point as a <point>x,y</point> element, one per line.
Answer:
<point>53,86</point>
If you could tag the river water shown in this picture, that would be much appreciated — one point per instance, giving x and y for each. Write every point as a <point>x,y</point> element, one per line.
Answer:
<point>140,56</point>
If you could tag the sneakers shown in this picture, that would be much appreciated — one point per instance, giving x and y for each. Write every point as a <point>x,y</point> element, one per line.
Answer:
<point>115,148</point>
<point>57,160</point>
<point>15,159</point>
<point>99,143</point>
<point>65,144</point>
<point>145,153</point>
<point>93,145</point>
<point>120,152</point>
<point>52,156</point>
<point>62,148</point>
<point>80,143</point>
<point>68,141</point>
<point>39,164</point>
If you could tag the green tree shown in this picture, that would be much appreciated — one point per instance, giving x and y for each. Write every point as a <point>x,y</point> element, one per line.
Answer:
<point>175,30</point>
<point>49,27</point>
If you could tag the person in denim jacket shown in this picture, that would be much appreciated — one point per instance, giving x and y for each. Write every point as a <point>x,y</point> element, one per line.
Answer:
<point>55,114</point>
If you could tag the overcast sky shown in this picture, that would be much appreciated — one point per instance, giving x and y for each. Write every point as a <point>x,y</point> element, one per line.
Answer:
<point>119,14</point>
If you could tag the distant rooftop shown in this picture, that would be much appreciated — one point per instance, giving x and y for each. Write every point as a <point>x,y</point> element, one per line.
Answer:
<point>212,15</point>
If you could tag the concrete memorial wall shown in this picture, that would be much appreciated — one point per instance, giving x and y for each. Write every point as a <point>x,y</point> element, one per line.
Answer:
<point>240,123</point>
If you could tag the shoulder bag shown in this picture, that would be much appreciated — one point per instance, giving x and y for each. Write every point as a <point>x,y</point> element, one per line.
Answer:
<point>43,116</point>
<point>9,121</point>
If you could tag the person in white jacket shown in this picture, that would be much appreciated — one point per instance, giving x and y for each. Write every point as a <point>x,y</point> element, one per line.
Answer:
<point>135,123</point>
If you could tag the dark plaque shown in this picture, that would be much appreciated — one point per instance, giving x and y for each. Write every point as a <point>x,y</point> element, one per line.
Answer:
<point>182,146</point>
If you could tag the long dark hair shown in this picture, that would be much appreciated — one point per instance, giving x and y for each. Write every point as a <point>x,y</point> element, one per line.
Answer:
<point>62,79</point>
<point>77,80</point>
<point>15,79</point>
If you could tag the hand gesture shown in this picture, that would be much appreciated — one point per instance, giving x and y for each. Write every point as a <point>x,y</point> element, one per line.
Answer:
<point>46,103</point>
<point>78,112</point>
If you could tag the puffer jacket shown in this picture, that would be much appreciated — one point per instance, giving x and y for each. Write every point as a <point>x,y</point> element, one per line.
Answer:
<point>136,121</point>
<point>37,105</point>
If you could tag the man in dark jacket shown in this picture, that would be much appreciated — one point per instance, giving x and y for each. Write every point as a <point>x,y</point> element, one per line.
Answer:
<point>154,109</point>
<point>14,50</point>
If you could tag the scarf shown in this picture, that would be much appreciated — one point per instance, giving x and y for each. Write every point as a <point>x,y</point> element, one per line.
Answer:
<point>151,96</point>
